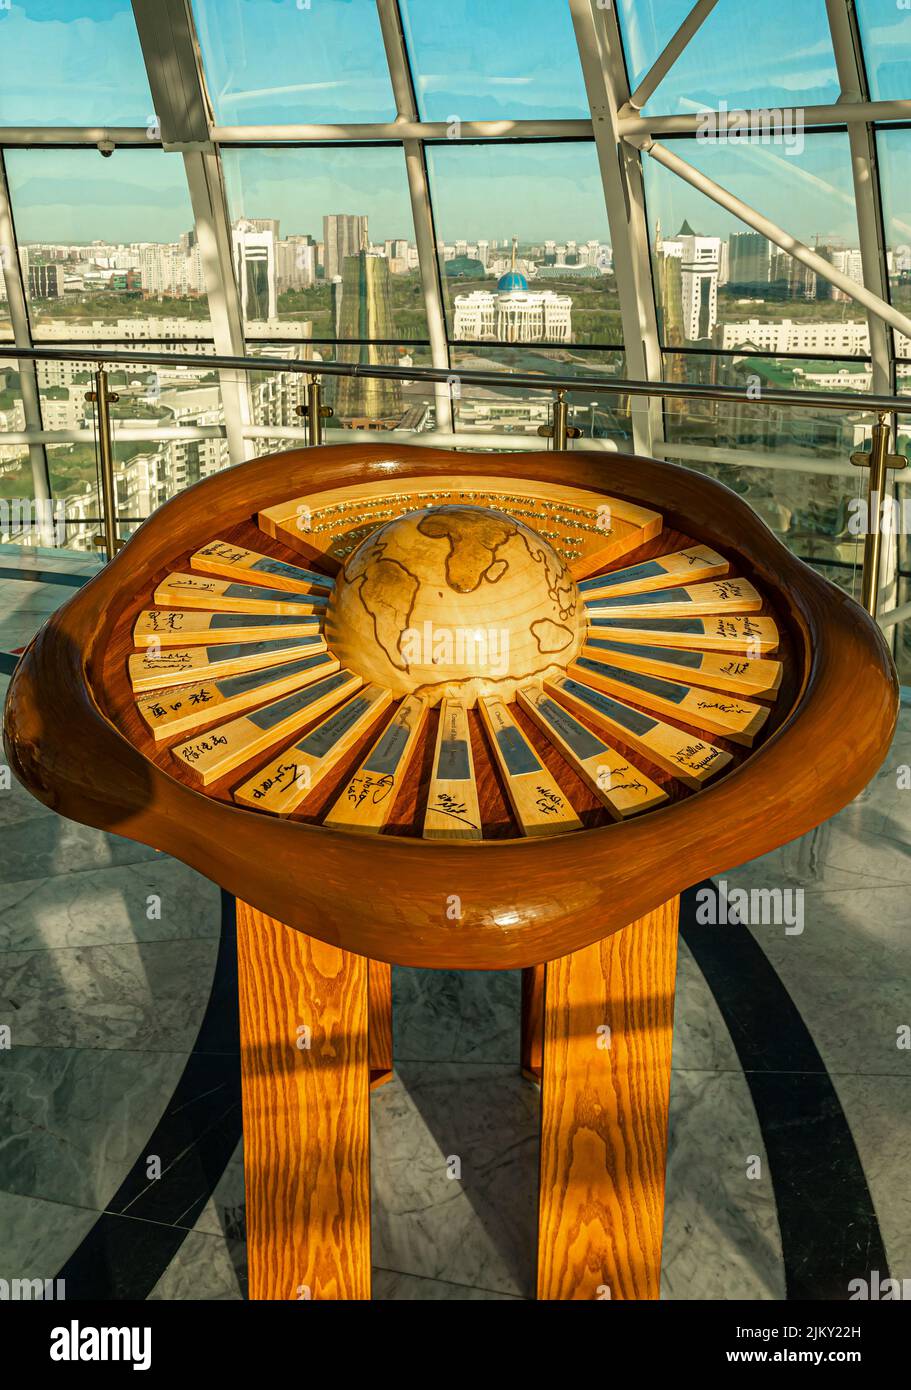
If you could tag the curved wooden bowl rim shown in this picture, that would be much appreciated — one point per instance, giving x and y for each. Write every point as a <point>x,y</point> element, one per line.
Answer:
<point>522,901</point>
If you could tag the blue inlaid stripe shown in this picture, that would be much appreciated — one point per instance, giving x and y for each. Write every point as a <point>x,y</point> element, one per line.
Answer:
<point>649,569</point>
<point>279,567</point>
<point>636,680</point>
<point>642,600</point>
<point>228,620</point>
<point>627,718</point>
<point>516,753</point>
<point>387,754</point>
<point>324,738</point>
<point>261,595</point>
<point>454,764</point>
<point>270,715</point>
<point>582,741</point>
<point>237,650</point>
<point>693,627</point>
<point>252,680</point>
<point>692,660</point>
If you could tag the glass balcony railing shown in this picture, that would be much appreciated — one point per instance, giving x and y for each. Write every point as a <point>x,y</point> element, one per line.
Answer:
<point>182,416</point>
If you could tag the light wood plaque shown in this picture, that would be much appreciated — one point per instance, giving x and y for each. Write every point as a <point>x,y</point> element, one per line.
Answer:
<point>587,529</point>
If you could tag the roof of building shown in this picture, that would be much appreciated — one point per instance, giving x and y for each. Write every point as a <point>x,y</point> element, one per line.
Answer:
<point>512,280</point>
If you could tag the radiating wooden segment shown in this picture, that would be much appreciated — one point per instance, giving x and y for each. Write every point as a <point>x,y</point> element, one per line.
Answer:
<point>608,1030</point>
<point>453,812</point>
<point>178,627</point>
<point>624,789</point>
<point>379,1021</point>
<point>150,670</point>
<point>738,674</point>
<point>588,529</point>
<point>175,709</point>
<point>688,758</point>
<point>729,716</point>
<point>369,794</point>
<point>198,591</point>
<point>740,633</point>
<point>540,806</point>
<point>219,750</point>
<point>713,597</point>
<point>532,1027</point>
<point>237,563</point>
<point>688,566</point>
<point>289,778</point>
<point>306,1113</point>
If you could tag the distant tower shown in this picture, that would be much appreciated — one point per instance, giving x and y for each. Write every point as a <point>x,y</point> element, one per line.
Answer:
<point>344,234</point>
<point>365,312</point>
<point>254,268</point>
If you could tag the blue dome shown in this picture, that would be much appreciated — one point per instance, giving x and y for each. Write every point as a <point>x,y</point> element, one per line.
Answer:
<point>512,280</point>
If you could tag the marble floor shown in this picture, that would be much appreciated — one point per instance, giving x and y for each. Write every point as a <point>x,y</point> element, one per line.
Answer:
<point>791,1088</point>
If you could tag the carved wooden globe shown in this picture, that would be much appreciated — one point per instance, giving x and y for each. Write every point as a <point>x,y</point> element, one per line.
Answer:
<point>455,600</point>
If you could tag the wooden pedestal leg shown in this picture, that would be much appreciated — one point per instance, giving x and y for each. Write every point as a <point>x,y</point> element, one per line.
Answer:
<point>532,1021</point>
<point>608,1026</point>
<point>379,988</point>
<point>304,1069</point>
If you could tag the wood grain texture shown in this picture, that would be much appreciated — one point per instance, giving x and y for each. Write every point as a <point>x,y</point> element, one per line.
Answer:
<point>306,1113</point>
<point>532,1021</point>
<point>604,1113</point>
<point>379,1029</point>
<point>73,737</point>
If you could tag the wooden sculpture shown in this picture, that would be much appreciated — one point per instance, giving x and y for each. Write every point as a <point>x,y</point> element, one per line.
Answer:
<point>456,710</point>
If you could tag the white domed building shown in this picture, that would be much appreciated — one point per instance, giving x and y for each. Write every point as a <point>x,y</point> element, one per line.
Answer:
<point>513,313</point>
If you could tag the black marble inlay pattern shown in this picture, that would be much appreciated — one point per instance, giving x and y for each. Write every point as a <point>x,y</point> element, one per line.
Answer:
<point>829,1228</point>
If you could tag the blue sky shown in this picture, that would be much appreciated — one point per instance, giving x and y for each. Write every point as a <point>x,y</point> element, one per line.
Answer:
<point>78,62</point>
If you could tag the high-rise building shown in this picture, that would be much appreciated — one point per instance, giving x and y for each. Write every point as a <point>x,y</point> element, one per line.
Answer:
<point>700,258</point>
<point>365,312</point>
<point>265,224</point>
<point>344,234</point>
<point>45,281</point>
<point>295,263</point>
<point>749,262</point>
<point>254,267</point>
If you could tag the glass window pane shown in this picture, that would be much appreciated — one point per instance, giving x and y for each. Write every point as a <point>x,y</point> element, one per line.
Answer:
<point>721,285</point>
<point>108,246</point>
<point>71,63</point>
<point>894,147</point>
<point>294,64</point>
<point>524,245</point>
<point>475,61</point>
<point>324,245</point>
<point>885,27</point>
<point>784,58</point>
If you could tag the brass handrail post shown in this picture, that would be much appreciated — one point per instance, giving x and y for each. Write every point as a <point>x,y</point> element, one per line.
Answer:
<point>879,461</point>
<point>103,399</point>
<point>560,430</point>
<point>314,412</point>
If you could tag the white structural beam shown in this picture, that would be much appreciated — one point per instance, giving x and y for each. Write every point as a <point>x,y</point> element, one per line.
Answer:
<point>11,267</point>
<point>170,51</point>
<point>408,128</point>
<point>841,113</point>
<point>691,122</point>
<point>421,209</point>
<point>213,234</point>
<point>669,55</point>
<point>601,54</point>
<point>852,80</point>
<point>772,232</point>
